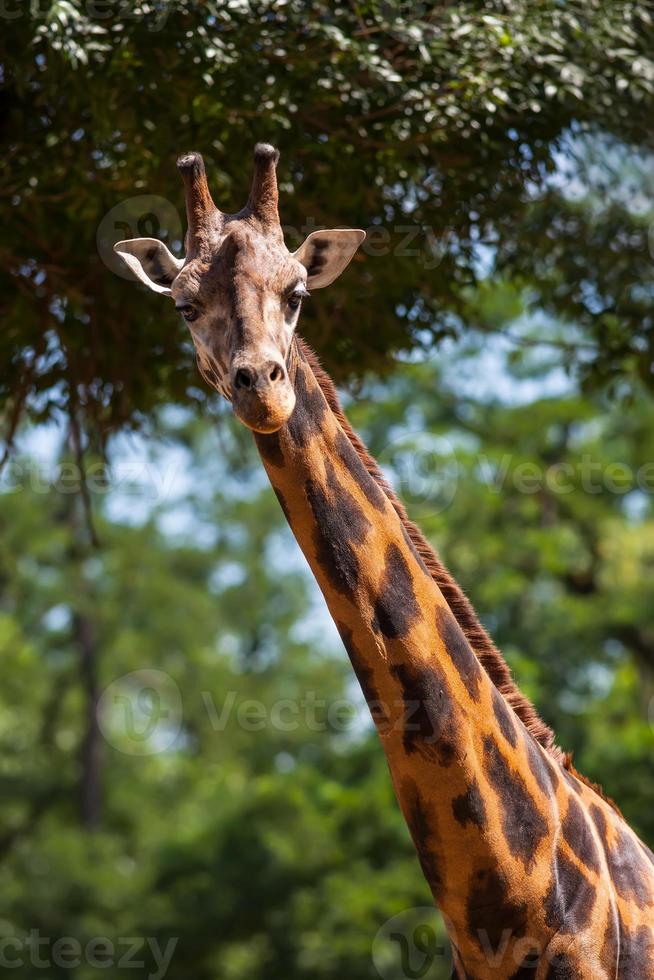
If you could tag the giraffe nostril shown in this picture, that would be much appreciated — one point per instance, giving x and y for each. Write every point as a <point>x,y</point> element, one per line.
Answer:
<point>243,378</point>
<point>276,373</point>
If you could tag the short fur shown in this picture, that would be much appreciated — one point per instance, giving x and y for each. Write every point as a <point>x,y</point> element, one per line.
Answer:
<point>487,653</point>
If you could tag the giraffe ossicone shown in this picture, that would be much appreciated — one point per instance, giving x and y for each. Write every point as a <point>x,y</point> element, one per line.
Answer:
<point>240,289</point>
<point>536,872</point>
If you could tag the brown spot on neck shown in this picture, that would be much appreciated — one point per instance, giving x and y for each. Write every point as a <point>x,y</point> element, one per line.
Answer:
<point>484,649</point>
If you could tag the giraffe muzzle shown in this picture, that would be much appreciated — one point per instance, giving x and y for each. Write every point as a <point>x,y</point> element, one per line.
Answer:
<point>262,395</point>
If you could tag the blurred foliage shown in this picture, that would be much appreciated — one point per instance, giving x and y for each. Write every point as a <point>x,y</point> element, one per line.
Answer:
<point>266,838</point>
<point>437,126</point>
<point>543,512</point>
<point>263,834</point>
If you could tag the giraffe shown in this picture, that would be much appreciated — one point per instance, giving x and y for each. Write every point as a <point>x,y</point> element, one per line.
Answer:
<point>535,871</point>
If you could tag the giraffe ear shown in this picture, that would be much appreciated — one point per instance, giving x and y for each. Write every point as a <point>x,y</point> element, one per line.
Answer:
<point>324,254</point>
<point>151,262</point>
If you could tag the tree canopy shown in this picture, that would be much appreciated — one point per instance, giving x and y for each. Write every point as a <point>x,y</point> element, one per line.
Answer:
<point>437,127</point>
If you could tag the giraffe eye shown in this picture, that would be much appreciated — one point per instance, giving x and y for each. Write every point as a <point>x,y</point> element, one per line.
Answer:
<point>295,297</point>
<point>189,312</point>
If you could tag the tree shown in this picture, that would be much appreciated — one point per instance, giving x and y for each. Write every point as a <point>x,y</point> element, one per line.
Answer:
<point>436,127</point>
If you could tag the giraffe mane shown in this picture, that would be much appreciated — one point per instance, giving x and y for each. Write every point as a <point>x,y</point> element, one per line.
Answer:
<point>482,645</point>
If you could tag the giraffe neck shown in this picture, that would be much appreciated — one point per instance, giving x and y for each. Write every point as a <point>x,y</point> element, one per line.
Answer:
<point>482,799</point>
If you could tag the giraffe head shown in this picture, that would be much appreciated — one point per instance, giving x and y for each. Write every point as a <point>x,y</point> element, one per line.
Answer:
<point>240,289</point>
